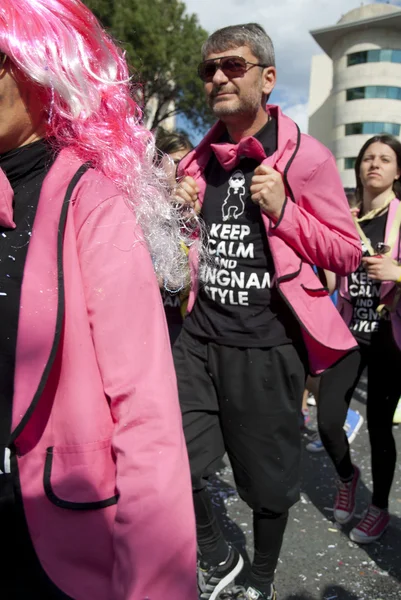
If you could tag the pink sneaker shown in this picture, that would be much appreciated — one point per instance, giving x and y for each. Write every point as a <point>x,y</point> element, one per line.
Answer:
<point>372,526</point>
<point>344,506</point>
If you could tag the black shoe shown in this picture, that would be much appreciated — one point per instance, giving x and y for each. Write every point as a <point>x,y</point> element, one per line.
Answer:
<point>213,579</point>
<point>249,593</point>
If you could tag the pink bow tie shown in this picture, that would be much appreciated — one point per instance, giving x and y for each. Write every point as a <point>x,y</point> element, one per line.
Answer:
<point>229,155</point>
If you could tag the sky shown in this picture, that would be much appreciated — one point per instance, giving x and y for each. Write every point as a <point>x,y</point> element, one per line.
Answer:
<point>288,23</point>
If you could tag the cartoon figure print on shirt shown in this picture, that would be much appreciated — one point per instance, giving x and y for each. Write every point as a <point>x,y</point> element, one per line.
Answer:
<point>233,205</point>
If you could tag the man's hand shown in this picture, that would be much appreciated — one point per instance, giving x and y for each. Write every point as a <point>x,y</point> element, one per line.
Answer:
<point>382,268</point>
<point>267,190</point>
<point>186,193</point>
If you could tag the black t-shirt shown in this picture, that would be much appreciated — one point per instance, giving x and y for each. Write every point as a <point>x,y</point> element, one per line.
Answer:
<point>172,309</point>
<point>365,292</point>
<point>25,168</point>
<point>238,304</point>
<point>172,306</point>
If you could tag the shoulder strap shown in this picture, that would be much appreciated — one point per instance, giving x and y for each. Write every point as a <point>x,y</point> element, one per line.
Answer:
<point>363,237</point>
<point>395,226</point>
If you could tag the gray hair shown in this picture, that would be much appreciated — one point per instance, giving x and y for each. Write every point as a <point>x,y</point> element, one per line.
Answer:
<point>234,36</point>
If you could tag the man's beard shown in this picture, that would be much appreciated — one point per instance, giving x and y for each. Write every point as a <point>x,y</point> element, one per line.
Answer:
<point>226,110</point>
<point>247,106</point>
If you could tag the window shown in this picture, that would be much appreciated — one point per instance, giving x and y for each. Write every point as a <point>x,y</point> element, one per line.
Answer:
<point>394,93</point>
<point>374,91</point>
<point>357,58</point>
<point>372,128</point>
<point>383,55</point>
<point>391,128</point>
<point>371,91</point>
<point>377,91</point>
<point>349,162</point>
<point>353,128</point>
<point>373,56</point>
<point>356,93</point>
<point>397,56</point>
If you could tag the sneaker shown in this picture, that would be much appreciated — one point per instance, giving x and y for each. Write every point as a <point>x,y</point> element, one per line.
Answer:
<point>397,414</point>
<point>316,445</point>
<point>213,579</point>
<point>344,505</point>
<point>248,592</point>
<point>311,400</point>
<point>353,424</point>
<point>372,526</point>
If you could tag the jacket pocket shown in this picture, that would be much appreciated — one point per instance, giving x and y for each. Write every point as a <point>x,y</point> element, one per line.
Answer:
<point>315,291</point>
<point>81,477</point>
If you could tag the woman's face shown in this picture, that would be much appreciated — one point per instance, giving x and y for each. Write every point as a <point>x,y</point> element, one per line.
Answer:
<point>170,163</point>
<point>379,167</point>
<point>21,114</point>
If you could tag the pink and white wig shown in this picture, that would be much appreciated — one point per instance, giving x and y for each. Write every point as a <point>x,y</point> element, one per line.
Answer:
<point>87,97</point>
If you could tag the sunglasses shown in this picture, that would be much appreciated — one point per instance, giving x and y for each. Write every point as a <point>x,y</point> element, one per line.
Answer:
<point>232,66</point>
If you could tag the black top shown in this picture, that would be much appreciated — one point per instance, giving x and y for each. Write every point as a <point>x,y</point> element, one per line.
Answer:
<point>365,292</point>
<point>25,169</point>
<point>238,304</point>
<point>172,309</point>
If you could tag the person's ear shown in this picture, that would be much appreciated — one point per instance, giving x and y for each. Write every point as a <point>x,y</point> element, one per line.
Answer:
<point>269,80</point>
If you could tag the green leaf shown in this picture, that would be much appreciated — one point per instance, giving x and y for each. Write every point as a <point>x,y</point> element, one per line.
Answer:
<point>163,45</point>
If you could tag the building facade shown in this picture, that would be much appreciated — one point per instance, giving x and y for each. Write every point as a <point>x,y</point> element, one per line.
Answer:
<point>355,87</point>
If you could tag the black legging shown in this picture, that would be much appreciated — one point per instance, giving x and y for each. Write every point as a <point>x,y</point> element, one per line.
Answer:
<point>383,361</point>
<point>268,529</point>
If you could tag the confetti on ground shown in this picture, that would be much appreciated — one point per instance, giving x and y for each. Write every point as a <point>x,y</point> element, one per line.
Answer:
<point>308,568</point>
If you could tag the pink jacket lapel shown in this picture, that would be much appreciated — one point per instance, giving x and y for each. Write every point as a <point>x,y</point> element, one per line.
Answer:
<point>42,295</point>
<point>196,161</point>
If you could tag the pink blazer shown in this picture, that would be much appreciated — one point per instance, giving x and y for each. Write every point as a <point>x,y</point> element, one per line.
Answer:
<point>387,288</point>
<point>315,228</point>
<point>96,424</point>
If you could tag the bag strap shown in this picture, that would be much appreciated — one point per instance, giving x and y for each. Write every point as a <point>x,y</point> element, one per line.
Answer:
<point>394,232</point>
<point>392,237</point>
<point>363,237</point>
<point>395,228</point>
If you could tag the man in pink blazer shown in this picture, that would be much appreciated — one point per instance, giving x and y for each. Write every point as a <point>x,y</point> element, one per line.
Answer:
<point>95,493</point>
<point>258,318</point>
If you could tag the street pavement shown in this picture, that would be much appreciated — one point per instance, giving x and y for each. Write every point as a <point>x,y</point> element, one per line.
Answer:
<point>318,561</point>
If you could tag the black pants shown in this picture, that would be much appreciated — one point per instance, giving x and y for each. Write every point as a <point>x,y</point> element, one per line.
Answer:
<point>22,575</point>
<point>174,328</point>
<point>383,361</point>
<point>245,401</point>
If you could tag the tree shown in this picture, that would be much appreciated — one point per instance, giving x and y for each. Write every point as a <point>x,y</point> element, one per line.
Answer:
<point>163,46</point>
